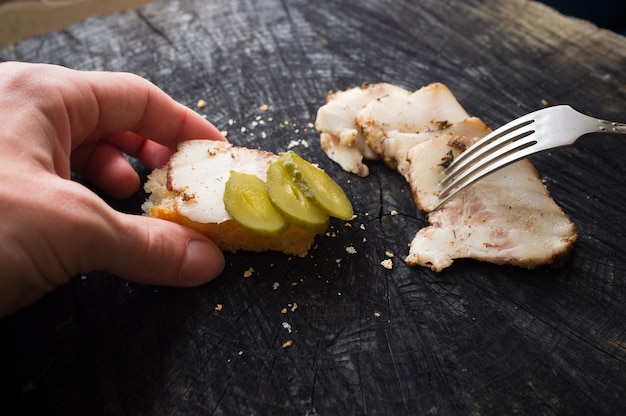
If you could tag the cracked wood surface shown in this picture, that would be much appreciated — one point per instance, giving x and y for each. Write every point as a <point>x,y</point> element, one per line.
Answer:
<point>474,339</point>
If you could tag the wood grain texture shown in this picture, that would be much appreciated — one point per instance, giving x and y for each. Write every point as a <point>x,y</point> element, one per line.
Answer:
<point>476,339</point>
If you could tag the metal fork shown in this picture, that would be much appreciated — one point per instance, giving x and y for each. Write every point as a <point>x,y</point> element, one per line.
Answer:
<point>536,132</point>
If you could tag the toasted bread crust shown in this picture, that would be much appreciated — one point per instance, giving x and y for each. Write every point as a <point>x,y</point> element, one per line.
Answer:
<point>229,236</point>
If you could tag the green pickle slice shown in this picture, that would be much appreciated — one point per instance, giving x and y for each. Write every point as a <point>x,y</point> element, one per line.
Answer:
<point>247,202</point>
<point>289,200</point>
<point>318,186</point>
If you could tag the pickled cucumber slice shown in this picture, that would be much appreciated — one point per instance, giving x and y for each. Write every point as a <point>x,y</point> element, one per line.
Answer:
<point>289,200</point>
<point>247,202</point>
<point>318,186</point>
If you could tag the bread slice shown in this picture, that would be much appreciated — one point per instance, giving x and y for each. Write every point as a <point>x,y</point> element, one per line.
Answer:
<point>189,190</point>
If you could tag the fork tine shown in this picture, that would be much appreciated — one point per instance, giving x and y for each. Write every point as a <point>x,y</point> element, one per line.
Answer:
<point>490,162</point>
<point>513,156</point>
<point>496,147</point>
<point>486,143</point>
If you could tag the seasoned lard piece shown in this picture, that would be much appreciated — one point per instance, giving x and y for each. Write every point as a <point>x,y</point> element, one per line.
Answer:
<point>397,144</point>
<point>430,108</point>
<point>341,138</point>
<point>506,218</point>
<point>199,171</point>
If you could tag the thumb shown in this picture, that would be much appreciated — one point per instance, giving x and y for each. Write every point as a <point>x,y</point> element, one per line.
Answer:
<point>153,251</point>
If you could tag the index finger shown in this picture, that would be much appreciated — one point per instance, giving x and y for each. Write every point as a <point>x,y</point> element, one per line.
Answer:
<point>127,102</point>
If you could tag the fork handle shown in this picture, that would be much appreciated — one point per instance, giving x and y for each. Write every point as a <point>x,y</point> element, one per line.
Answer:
<point>611,127</point>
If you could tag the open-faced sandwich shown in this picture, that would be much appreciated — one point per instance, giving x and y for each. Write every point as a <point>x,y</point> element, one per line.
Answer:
<point>246,199</point>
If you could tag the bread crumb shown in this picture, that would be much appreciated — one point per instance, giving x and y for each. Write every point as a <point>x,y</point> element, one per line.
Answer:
<point>389,254</point>
<point>387,264</point>
<point>294,143</point>
<point>287,344</point>
<point>294,307</point>
<point>287,326</point>
<point>377,314</point>
<point>350,250</point>
<point>218,307</point>
<point>248,273</point>
<point>394,212</point>
<point>264,107</point>
<point>544,102</point>
<point>276,285</point>
<point>283,311</point>
<point>201,104</point>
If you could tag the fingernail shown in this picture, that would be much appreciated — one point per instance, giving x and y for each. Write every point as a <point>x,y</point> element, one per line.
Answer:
<point>203,262</point>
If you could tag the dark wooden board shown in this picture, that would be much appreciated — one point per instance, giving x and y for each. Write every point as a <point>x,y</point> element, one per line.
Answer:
<point>474,339</point>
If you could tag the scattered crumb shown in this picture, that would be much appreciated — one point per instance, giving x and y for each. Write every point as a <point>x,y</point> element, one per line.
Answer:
<point>264,107</point>
<point>377,314</point>
<point>350,250</point>
<point>287,344</point>
<point>283,311</point>
<point>201,104</point>
<point>248,273</point>
<point>394,212</point>
<point>276,285</point>
<point>387,264</point>
<point>218,307</point>
<point>389,254</point>
<point>224,133</point>
<point>362,227</point>
<point>294,307</point>
<point>544,102</point>
<point>287,326</point>
<point>231,122</point>
<point>295,143</point>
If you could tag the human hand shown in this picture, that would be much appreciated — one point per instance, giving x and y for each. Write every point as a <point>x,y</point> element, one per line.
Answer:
<point>53,228</point>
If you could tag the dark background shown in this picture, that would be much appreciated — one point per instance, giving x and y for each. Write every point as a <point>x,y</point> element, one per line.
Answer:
<point>610,14</point>
<point>475,339</point>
